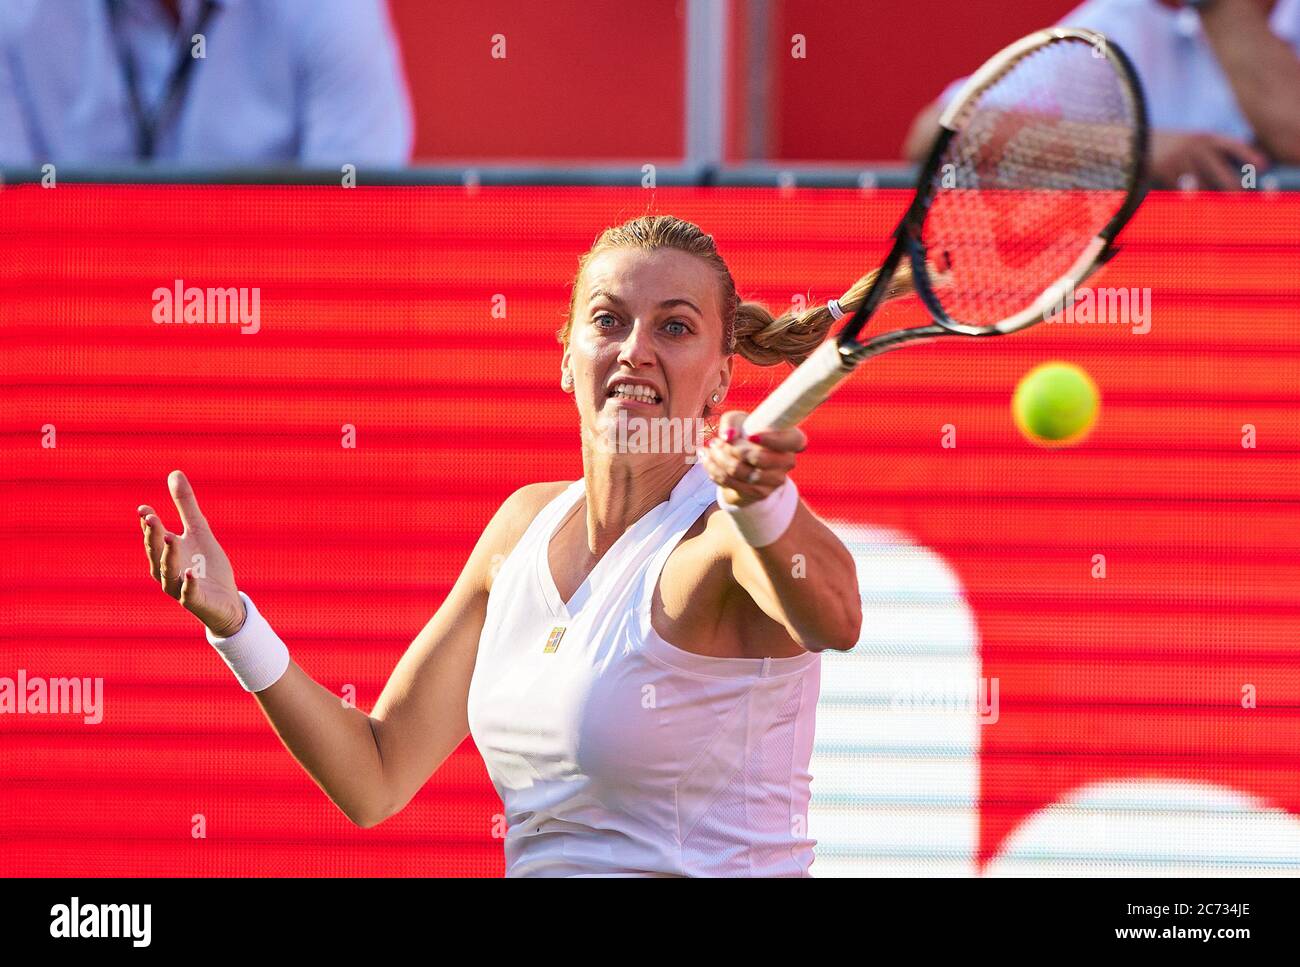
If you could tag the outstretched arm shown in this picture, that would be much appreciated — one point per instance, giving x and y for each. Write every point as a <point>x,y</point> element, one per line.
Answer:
<point>805,578</point>
<point>368,765</point>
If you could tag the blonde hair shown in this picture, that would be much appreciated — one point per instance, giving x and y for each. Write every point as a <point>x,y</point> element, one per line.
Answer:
<point>749,328</point>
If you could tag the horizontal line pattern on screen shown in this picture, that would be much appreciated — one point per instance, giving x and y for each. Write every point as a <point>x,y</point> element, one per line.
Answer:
<point>376,310</point>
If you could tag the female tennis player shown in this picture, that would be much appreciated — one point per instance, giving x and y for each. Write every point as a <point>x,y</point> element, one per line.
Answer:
<point>635,653</point>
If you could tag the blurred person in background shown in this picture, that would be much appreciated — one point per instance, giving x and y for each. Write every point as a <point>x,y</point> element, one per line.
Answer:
<point>1222,82</point>
<point>107,82</point>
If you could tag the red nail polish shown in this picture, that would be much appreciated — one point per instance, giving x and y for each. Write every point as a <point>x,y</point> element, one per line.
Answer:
<point>756,438</point>
<point>732,433</point>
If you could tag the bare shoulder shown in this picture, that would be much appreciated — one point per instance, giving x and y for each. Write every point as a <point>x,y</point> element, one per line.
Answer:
<point>527,502</point>
<point>518,511</point>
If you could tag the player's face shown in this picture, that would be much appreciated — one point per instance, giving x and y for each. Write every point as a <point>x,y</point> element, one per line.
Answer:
<point>648,322</point>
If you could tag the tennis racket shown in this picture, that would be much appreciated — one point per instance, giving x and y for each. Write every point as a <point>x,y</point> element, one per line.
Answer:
<point>1040,160</point>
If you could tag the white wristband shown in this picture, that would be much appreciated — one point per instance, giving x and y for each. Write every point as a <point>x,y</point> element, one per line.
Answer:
<point>763,521</point>
<point>255,652</point>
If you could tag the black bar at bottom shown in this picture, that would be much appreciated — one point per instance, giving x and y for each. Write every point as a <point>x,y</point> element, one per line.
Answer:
<point>975,917</point>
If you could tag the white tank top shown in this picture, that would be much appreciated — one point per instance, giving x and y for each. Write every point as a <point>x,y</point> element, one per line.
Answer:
<point>617,753</point>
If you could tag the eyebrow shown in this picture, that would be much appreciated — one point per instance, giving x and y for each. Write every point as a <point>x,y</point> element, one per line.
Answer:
<point>666,304</point>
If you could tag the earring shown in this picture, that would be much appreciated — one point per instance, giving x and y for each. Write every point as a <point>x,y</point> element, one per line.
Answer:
<point>715,397</point>
<point>566,383</point>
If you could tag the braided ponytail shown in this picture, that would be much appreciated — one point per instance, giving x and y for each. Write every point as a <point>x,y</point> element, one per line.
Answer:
<point>791,337</point>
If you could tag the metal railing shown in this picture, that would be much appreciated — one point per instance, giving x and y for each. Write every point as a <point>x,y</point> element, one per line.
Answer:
<point>767,174</point>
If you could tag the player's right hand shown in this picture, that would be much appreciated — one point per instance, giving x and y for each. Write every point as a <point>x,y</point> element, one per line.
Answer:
<point>192,567</point>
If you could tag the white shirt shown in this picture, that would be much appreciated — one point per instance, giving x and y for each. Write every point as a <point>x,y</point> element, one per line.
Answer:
<point>311,82</point>
<point>617,753</point>
<point>1185,87</point>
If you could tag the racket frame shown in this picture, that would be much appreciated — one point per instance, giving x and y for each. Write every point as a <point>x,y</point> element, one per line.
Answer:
<point>828,365</point>
<point>1102,248</point>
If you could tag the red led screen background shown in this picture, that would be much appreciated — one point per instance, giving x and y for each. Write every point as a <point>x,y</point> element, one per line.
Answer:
<point>377,312</point>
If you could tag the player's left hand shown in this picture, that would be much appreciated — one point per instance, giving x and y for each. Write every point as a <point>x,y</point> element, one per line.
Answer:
<point>749,469</point>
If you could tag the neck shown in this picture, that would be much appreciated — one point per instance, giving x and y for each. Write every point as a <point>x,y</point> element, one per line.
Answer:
<point>620,491</point>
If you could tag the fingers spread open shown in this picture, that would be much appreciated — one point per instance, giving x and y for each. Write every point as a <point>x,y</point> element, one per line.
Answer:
<point>183,495</point>
<point>153,544</point>
<point>170,566</point>
<point>191,596</point>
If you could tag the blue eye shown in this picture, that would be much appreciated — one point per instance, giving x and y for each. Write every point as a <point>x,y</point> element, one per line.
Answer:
<point>676,327</point>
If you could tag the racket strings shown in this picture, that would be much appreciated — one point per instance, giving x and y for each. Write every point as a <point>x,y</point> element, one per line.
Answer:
<point>1042,161</point>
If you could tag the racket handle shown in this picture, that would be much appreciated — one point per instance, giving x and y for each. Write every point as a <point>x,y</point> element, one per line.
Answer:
<point>802,392</point>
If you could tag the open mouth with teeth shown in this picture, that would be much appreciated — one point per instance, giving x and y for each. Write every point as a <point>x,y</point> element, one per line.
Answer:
<point>628,391</point>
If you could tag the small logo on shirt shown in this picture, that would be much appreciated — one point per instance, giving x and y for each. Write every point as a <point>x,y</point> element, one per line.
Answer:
<point>553,640</point>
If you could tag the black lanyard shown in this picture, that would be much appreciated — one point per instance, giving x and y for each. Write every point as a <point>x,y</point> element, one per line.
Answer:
<point>146,124</point>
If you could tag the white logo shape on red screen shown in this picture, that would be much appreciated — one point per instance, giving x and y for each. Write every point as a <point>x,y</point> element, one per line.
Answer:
<point>896,761</point>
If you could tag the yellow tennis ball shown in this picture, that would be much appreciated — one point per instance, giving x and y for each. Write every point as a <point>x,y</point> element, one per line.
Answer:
<point>1055,404</point>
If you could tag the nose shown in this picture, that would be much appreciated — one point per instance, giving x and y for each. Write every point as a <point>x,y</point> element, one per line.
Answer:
<point>636,350</point>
